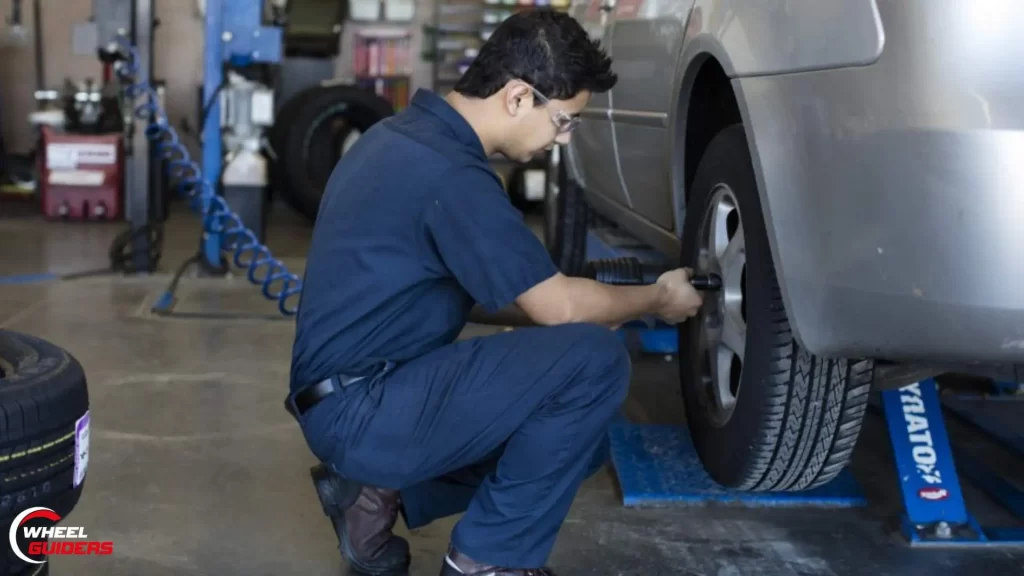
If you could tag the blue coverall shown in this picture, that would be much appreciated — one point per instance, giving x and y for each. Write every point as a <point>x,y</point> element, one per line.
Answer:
<point>414,229</point>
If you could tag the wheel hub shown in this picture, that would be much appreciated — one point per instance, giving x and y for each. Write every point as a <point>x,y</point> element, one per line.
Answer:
<point>723,324</point>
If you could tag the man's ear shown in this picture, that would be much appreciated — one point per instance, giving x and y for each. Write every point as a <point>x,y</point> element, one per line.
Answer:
<point>518,97</point>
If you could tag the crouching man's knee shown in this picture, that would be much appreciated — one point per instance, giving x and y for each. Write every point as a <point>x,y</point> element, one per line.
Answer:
<point>604,359</point>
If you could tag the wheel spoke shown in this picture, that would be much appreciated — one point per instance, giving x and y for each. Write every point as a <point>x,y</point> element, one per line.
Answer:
<point>718,232</point>
<point>734,327</point>
<point>721,372</point>
<point>734,332</point>
<point>734,254</point>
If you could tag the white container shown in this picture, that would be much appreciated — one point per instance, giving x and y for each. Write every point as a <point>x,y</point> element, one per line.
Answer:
<point>364,9</point>
<point>399,10</point>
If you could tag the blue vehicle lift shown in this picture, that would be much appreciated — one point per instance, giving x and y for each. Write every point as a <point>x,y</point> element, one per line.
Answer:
<point>234,34</point>
<point>935,513</point>
<point>658,465</point>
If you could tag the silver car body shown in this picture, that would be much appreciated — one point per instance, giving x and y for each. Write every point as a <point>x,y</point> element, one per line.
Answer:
<point>888,141</point>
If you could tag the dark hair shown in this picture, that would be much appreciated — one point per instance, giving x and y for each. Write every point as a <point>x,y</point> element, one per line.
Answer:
<point>545,48</point>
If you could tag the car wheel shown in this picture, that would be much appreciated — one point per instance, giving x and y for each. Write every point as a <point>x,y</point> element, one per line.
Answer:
<point>44,431</point>
<point>565,217</point>
<point>765,415</point>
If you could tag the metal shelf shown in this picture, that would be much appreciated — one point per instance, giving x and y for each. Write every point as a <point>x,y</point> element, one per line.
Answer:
<point>468,19</point>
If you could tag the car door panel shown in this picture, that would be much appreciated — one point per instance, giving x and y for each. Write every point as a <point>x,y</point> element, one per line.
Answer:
<point>592,148</point>
<point>647,40</point>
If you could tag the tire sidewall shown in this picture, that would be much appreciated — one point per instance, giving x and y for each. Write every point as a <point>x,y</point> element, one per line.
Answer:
<point>48,387</point>
<point>279,134</point>
<point>569,229</point>
<point>361,108</point>
<point>727,450</point>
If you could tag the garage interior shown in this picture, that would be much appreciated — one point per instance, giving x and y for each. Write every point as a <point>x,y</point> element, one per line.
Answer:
<point>195,468</point>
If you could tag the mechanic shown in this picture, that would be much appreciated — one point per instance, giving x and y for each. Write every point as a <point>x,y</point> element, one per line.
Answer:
<point>415,237</point>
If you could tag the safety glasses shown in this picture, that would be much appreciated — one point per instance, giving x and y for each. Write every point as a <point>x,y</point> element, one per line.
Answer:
<point>563,121</point>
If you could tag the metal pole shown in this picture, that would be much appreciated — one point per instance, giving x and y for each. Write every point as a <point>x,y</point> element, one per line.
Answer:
<point>137,195</point>
<point>37,30</point>
<point>213,62</point>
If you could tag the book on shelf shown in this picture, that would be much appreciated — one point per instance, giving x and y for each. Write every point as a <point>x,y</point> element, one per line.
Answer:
<point>376,56</point>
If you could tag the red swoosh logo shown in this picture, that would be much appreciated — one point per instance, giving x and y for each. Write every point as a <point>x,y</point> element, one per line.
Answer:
<point>47,514</point>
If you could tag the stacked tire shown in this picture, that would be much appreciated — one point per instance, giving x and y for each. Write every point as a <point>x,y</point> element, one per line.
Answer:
<point>44,407</point>
<point>311,133</point>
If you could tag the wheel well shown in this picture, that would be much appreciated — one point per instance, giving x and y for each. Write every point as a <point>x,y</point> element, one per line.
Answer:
<point>711,107</point>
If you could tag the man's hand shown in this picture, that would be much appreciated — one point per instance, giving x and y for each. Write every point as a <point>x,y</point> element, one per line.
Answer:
<point>561,300</point>
<point>679,299</point>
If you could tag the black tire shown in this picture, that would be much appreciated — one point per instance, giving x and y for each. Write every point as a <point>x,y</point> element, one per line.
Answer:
<point>278,137</point>
<point>312,146</point>
<point>796,416</point>
<point>43,395</point>
<point>566,217</point>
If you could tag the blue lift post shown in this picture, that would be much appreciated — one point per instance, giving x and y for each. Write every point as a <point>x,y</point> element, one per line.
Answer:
<point>935,513</point>
<point>658,464</point>
<point>233,33</point>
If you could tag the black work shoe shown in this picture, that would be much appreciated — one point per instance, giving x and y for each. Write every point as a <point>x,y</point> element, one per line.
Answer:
<point>458,564</point>
<point>363,518</point>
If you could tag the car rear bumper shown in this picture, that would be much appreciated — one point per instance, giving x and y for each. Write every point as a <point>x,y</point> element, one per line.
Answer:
<point>894,193</point>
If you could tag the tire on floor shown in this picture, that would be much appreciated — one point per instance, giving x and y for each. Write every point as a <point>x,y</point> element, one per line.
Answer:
<point>44,404</point>
<point>311,134</point>
<point>795,417</point>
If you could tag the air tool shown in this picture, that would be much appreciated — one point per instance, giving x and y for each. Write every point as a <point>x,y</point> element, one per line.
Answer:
<point>631,271</point>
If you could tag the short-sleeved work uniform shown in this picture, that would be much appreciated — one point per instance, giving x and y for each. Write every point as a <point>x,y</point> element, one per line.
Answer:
<point>414,229</point>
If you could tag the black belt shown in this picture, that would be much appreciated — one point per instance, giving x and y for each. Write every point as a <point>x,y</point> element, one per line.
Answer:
<point>306,398</point>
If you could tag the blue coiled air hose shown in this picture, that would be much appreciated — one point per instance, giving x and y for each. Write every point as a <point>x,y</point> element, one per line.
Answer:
<point>186,176</point>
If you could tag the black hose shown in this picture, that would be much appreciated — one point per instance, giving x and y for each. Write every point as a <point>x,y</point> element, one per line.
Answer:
<point>122,256</point>
<point>623,271</point>
<point>631,271</point>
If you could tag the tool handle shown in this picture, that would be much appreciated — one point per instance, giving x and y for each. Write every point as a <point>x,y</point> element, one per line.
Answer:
<point>707,282</point>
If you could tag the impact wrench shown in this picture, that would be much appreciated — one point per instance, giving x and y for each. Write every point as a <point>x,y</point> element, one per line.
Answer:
<point>631,271</point>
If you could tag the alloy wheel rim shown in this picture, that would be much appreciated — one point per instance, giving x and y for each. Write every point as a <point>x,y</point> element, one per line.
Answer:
<point>722,319</point>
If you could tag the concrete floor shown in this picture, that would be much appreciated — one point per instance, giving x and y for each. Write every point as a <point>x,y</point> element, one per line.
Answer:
<point>197,470</point>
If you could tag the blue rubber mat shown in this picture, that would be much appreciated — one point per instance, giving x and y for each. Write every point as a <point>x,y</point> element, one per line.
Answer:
<point>657,465</point>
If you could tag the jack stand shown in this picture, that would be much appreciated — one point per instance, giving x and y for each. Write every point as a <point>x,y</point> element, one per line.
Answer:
<point>935,513</point>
